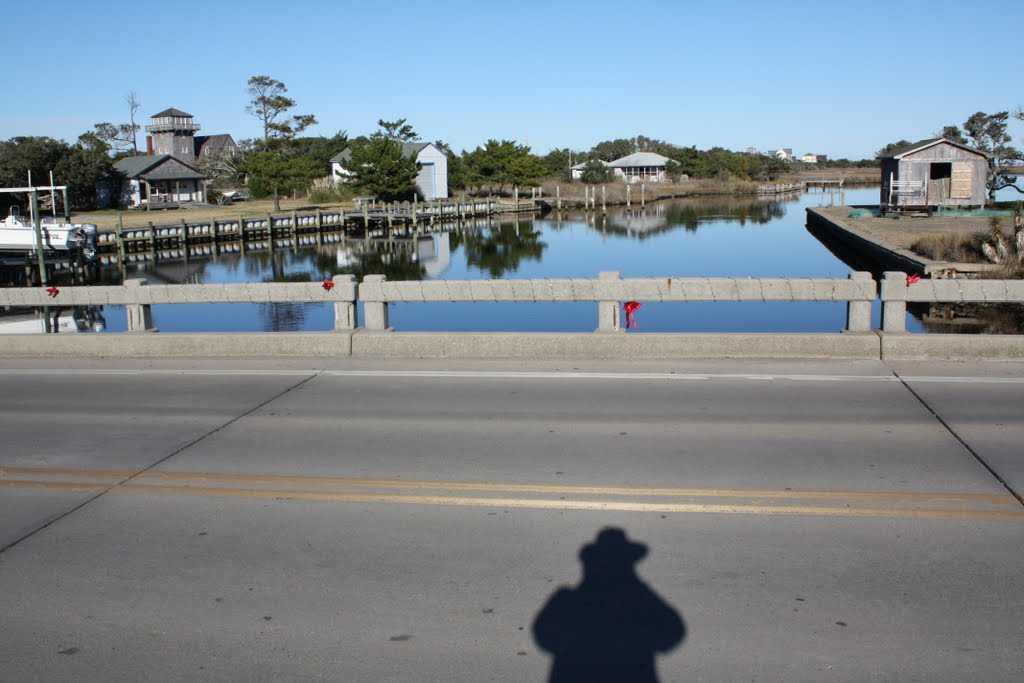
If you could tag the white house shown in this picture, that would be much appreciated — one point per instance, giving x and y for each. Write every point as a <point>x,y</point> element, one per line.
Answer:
<point>432,179</point>
<point>641,167</point>
<point>645,167</point>
<point>809,158</point>
<point>576,172</point>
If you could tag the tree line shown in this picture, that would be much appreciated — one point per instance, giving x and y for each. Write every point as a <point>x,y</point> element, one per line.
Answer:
<point>282,161</point>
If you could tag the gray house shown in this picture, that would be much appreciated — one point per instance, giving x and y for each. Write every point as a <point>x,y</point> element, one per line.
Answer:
<point>933,173</point>
<point>158,181</point>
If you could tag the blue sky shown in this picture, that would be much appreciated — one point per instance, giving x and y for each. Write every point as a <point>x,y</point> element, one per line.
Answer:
<point>841,79</point>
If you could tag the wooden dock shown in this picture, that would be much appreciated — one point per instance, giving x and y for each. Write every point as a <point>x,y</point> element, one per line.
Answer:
<point>405,220</point>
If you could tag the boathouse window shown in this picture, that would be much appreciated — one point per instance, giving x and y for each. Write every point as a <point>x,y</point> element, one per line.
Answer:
<point>940,171</point>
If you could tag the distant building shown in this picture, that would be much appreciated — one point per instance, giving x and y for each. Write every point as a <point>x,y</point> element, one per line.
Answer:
<point>933,173</point>
<point>432,179</point>
<point>167,174</point>
<point>809,158</point>
<point>784,153</point>
<point>641,167</point>
<point>576,172</point>
<point>645,167</point>
<point>173,132</point>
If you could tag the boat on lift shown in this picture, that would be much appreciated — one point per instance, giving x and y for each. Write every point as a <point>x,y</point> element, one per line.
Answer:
<point>18,236</point>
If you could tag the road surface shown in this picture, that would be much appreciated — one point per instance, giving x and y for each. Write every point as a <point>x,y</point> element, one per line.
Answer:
<point>456,521</point>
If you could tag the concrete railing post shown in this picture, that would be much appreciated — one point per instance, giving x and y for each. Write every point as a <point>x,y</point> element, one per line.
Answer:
<point>375,312</point>
<point>858,313</point>
<point>346,316</point>
<point>608,311</point>
<point>140,316</point>
<point>894,302</point>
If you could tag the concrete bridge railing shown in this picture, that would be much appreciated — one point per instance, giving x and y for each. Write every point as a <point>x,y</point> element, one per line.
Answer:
<point>376,293</point>
<point>609,291</point>
<point>897,290</point>
<point>375,337</point>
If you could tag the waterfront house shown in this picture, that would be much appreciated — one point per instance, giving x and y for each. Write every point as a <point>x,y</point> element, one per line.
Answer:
<point>933,173</point>
<point>432,179</point>
<point>641,167</point>
<point>167,174</point>
<point>173,132</point>
<point>646,167</point>
<point>158,181</point>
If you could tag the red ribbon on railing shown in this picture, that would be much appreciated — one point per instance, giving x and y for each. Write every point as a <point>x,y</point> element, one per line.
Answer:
<point>52,292</point>
<point>911,279</point>
<point>630,308</point>
<point>328,285</point>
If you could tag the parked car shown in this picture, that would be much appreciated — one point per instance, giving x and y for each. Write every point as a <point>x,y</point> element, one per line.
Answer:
<point>232,196</point>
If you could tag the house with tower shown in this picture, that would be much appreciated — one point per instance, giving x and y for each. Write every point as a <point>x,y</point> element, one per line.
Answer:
<point>168,174</point>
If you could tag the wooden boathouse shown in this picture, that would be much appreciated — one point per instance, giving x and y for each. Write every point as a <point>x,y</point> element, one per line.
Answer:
<point>934,173</point>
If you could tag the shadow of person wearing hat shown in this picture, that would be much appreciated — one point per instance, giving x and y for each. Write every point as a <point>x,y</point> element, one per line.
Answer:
<point>612,625</point>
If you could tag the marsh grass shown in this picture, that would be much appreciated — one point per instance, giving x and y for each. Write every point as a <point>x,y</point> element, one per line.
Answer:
<point>994,246</point>
<point>958,247</point>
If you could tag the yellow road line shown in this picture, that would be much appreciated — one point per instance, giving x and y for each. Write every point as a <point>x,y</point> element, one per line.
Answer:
<point>604,505</point>
<point>915,504</point>
<point>496,487</point>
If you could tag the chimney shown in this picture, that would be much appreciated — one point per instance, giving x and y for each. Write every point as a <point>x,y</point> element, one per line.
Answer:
<point>149,145</point>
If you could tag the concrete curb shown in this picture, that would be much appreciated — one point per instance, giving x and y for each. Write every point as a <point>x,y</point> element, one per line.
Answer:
<point>402,345</point>
<point>613,345</point>
<point>954,347</point>
<point>172,345</point>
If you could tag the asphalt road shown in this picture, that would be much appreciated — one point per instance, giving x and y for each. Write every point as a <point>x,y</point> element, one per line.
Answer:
<point>459,521</point>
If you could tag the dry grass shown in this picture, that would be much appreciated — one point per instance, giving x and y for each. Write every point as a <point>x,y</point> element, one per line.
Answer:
<point>957,247</point>
<point>615,192</point>
<point>108,220</point>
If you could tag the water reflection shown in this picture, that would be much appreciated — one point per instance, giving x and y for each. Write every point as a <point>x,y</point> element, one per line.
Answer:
<point>705,237</point>
<point>500,248</point>
<point>957,318</point>
<point>52,319</point>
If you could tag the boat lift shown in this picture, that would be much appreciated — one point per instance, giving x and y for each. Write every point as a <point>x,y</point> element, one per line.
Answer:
<point>36,217</point>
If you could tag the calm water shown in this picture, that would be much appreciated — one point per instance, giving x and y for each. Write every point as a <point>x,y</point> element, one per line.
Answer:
<point>708,237</point>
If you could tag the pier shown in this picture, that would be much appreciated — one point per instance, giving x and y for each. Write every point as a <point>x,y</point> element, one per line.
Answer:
<point>406,220</point>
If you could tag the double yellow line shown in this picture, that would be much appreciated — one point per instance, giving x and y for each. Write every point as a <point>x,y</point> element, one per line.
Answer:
<point>533,496</point>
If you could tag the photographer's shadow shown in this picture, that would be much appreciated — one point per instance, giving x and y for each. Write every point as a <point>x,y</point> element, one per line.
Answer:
<point>612,625</point>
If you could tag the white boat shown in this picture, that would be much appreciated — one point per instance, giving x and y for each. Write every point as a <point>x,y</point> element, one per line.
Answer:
<point>64,239</point>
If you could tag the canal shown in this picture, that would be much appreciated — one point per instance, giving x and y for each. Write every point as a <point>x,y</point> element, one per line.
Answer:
<point>706,237</point>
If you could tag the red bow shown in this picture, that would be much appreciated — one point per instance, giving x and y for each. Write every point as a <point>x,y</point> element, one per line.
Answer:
<point>630,308</point>
<point>911,279</point>
<point>328,285</point>
<point>52,291</point>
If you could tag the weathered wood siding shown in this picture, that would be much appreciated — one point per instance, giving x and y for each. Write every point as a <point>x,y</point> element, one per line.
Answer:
<point>964,187</point>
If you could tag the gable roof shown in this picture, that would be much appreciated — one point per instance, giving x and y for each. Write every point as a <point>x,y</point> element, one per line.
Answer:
<point>144,167</point>
<point>409,149</point>
<point>581,166</point>
<point>170,112</point>
<point>215,143</point>
<point>913,147</point>
<point>640,159</point>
